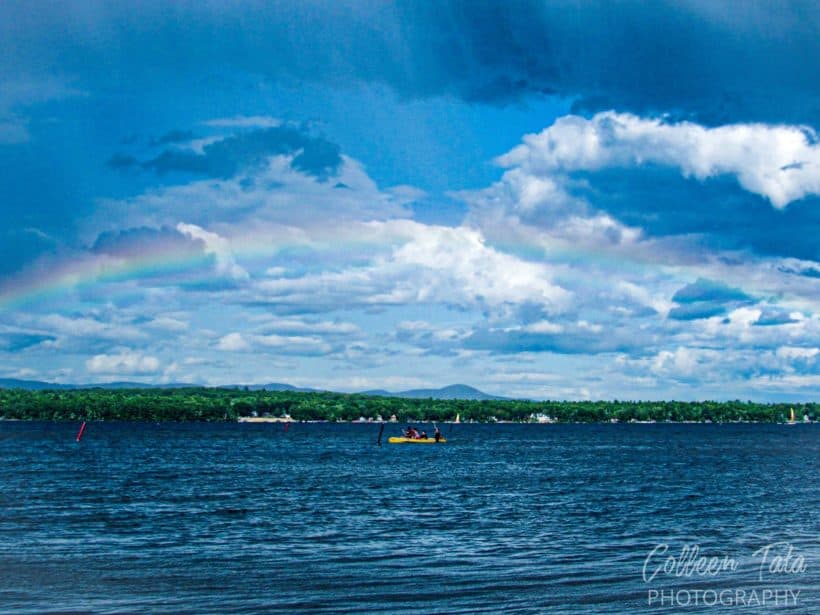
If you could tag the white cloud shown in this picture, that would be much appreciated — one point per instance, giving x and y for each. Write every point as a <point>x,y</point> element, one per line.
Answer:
<point>293,344</point>
<point>543,326</point>
<point>219,247</point>
<point>781,163</point>
<point>428,264</point>
<point>233,342</point>
<point>796,353</point>
<point>87,327</point>
<point>307,345</point>
<point>457,261</point>
<point>167,323</point>
<point>299,325</point>
<point>518,210</point>
<point>280,204</point>
<point>126,362</point>
<point>643,296</point>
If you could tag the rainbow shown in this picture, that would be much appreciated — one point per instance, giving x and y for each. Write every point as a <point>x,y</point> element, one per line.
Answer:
<point>48,280</point>
<point>52,278</point>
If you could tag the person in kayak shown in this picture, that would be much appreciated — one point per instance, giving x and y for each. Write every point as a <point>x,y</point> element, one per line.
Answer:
<point>423,435</point>
<point>437,434</point>
<point>411,432</point>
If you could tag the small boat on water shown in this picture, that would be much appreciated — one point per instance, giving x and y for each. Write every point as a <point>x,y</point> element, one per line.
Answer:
<point>403,440</point>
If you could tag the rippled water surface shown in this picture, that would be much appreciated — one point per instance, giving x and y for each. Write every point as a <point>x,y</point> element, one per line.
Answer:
<point>509,518</point>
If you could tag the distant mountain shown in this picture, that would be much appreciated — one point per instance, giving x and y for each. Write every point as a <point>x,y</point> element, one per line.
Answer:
<point>133,385</point>
<point>32,385</point>
<point>38,385</point>
<point>454,391</point>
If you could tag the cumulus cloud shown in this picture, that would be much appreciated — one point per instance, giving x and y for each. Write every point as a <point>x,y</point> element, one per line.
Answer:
<point>219,247</point>
<point>233,342</point>
<point>168,323</point>
<point>684,363</point>
<point>274,199</point>
<point>795,353</point>
<point>781,163</point>
<point>293,344</point>
<point>308,326</point>
<point>298,345</point>
<point>87,327</point>
<point>429,264</point>
<point>126,362</point>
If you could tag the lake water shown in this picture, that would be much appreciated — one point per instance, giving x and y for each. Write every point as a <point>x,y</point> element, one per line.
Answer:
<point>217,518</point>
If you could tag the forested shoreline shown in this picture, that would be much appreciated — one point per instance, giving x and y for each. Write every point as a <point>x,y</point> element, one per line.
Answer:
<point>217,404</point>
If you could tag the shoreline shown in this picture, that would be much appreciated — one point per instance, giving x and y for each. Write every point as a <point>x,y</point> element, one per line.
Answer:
<point>280,420</point>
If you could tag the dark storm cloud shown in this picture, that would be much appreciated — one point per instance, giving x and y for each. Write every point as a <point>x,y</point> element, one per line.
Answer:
<point>12,342</point>
<point>708,290</point>
<point>770,318</point>
<point>716,61</point>
<point>577,341</point>
<point>662,203</point>
<point>704,299</point>
<point>697,311</point>
<point>231,155</point>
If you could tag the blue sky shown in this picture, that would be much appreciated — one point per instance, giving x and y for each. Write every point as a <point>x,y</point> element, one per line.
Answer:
<point>563,200</point>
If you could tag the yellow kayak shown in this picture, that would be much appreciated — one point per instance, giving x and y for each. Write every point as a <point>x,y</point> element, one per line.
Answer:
<point>402,440</point>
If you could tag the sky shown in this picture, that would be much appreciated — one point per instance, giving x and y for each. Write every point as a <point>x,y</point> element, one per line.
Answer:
<point>546,200</point>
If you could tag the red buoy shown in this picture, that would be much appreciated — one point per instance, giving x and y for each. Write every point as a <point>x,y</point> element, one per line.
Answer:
<point>81,432</point>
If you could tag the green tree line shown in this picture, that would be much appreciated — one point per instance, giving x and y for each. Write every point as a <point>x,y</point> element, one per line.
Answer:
<point>215,404</point>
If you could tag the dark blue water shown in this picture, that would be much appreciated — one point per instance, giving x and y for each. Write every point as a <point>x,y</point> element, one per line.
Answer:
<point>217,518</point>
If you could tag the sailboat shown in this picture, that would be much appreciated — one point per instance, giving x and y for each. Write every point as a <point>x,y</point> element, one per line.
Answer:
<point>791,421</point>
<point>458,416</point>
